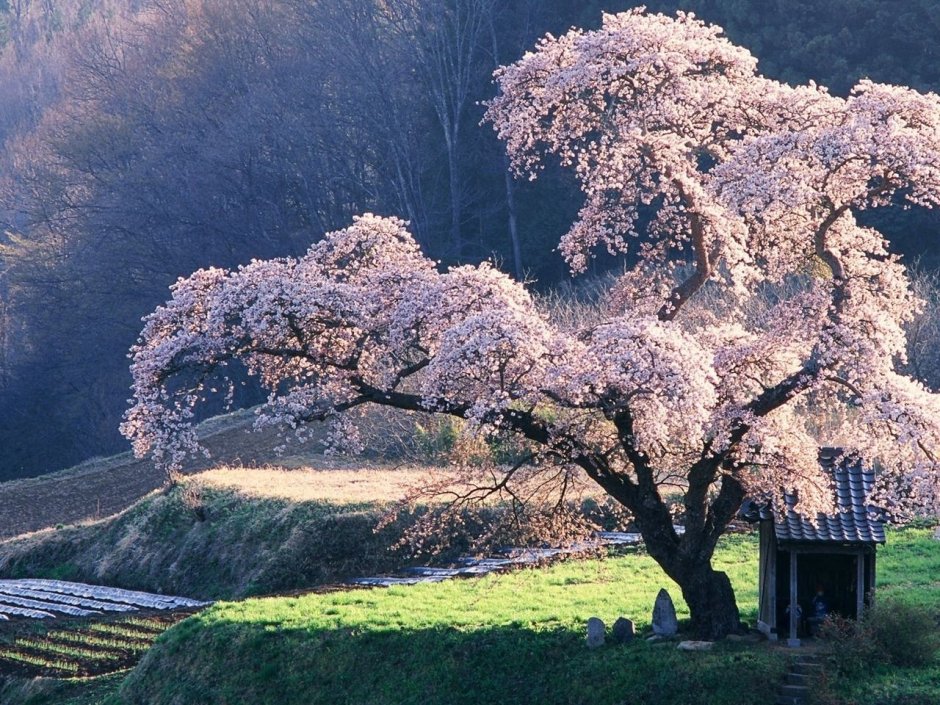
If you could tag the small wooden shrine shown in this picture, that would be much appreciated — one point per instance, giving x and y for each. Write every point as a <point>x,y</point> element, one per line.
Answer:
<point>826,566</point>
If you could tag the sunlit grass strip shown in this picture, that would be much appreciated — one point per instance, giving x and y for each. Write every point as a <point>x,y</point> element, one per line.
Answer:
<point>909,567</point>
<point>143,623</point>
<point>514,637</point>
<point>562,596</point>
<point>67,650</point>
<point>30,659</point>
<point>91,640</point>
<point>120,630</point>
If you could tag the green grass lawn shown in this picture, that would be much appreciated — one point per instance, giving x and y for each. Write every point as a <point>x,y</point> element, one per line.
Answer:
<point>909,567</point>
<point>511,638</point>
<point>516,637</point>
<point>908,570</point>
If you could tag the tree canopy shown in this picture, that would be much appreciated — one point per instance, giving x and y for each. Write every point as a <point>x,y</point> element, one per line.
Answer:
<point>758,321</point>
<point>142,140</point>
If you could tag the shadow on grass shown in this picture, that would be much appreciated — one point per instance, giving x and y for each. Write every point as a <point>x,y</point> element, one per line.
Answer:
<point>255,663</point>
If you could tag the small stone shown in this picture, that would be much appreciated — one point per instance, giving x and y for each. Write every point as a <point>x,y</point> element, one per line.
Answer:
<point>665,622</point>
<point>623,631</point>
<point>695,645</point>
<point>595,633</point>
<point>936,534</point>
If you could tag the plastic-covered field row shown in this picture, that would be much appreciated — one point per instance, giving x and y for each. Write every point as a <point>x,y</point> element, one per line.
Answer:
<point>42,599</point>
<point>508,557</point>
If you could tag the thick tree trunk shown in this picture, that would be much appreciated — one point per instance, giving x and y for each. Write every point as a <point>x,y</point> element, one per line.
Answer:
<point>707,592</point>
<point>687,560</point>
<point>711,601</point>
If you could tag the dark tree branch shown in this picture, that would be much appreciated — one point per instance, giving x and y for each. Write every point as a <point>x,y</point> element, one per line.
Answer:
<point>703,264</point>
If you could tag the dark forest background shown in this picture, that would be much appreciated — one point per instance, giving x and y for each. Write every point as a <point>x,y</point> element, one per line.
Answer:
<point>142,139</point>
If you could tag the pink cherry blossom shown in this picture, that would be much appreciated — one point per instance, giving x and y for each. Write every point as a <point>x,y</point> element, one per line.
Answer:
<point>760,322</point>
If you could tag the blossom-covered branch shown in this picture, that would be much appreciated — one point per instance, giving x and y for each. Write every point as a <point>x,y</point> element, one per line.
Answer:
<point>761,319</point>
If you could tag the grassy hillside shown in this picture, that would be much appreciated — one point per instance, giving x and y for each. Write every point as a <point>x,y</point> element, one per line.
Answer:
<point>510,638</point>
<point>228,533</point>
<point>515,637</point>
<point>265,521</point>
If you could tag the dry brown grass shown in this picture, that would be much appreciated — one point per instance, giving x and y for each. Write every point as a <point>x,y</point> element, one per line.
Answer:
<point>250,463</point>
<point>336,485</point>
<point>102,487</point>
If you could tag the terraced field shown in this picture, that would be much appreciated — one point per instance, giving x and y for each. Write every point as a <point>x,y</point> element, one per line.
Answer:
<point>47,599</point>
<point>64,630</point>
<point>79,647</point>
<point>104,486</point>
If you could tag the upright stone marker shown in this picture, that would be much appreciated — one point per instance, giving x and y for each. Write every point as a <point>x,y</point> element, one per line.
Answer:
<point>595,633</point>
<point>665,622</point>
<point>623,631</point>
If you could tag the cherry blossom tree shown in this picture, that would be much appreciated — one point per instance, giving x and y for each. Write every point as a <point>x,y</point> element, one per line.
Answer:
<point>759,320</point>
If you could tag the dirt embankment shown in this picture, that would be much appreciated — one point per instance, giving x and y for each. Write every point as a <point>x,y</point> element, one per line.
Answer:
<point>237,546</point>
<point>102,487</point>
<point>99,488</point>
<point>258,521</point>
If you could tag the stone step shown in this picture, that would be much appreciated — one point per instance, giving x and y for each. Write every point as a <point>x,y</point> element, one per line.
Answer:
<point>794,691</point>
<point>805,668</point>
<point>797,679</point>
<point>796,688</point>
<point>790,700</point>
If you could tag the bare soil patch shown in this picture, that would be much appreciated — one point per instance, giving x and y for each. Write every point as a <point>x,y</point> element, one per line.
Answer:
<point>336,485</point>
<point>102,487</point>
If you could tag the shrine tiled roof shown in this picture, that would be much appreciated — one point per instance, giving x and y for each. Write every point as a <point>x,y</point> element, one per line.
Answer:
<point>856,521</point>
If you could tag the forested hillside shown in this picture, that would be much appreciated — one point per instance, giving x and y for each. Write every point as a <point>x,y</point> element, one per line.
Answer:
<point>142,139</point>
